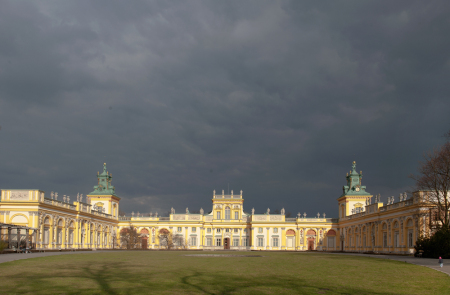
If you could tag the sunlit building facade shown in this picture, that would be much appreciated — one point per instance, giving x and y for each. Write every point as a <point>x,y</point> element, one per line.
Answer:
<point>364,223</point>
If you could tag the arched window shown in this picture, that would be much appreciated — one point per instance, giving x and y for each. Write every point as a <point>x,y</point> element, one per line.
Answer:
<point>71,227</point>
<point>227,213</point>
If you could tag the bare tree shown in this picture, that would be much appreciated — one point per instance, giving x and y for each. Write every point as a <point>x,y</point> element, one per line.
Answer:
<point>130,238</point>
<point>434,180</point>
<point>165,239</point>
<point>171,241</point>
<point>179,241</point>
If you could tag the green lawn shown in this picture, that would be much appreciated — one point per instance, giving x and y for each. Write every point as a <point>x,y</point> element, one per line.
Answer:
<point>162,272</point>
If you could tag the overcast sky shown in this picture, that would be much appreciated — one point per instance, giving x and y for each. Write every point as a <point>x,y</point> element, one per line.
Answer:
<point>275,98</point>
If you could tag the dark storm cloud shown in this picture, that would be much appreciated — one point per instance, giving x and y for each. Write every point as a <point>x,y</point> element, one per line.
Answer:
<point>180,98</point>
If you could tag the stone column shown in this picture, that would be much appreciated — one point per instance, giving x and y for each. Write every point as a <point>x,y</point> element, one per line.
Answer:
<point>222,231</point>
<point>27,237</point>
<point>41,235</point>
<point>240,238</point>
<point>9,238</point>
<point>213,244</point>
<point>18,237</point>
<point>202,237</point>
<point>35,233</point>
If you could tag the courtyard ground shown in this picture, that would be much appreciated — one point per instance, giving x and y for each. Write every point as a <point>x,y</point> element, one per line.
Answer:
<point>172,272</point>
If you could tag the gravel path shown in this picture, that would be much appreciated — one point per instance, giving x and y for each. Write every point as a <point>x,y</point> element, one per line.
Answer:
<point>19,256</point>
<point>427,262</point>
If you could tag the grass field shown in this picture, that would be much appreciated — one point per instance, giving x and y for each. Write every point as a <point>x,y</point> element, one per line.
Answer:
<point>160,272</point>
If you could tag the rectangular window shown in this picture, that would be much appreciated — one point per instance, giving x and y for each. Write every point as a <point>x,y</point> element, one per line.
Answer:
<point>235,230</point>
<point>236,242</point>
<point>396,242</point>
<point>275,242</point>
<point>193,241</point>
<point>290,242</point>
<point>208,242</point>
<point>194,229</point>
<point>227,230</point>
<point>218,242</point>
<point>218,214</point>
<point>227,213</point>
<point>260,242</point>
<point>208,230</point>
<point>245,230</point>
<point>179,229</point>
<point>244,242</point>
<point>275,230</point>
<point>410,238</point>
<point>59,236</point>
<point>385,240</point>
<point>218,230</point>
<point>236,215</point>
<point>46,235</point>
<point>260,230</point>
<point>330,242</point>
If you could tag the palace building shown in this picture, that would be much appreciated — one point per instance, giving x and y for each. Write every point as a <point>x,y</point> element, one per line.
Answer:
<point>365,224</point>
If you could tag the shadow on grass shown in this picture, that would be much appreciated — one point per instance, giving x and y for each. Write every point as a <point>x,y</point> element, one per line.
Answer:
<point>101,277</point>
<point>176,282</point>
<point>140,274</point>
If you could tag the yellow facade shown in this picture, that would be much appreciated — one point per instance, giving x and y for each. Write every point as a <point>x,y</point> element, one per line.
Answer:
<point>364,225</point>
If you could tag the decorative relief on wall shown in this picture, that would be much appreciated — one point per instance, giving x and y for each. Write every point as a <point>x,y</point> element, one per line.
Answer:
<point>260,218</point>
<point>208,218</point>
<point>276,218</point>
<point>179,217</point>
<point>19,196</point>
<point>194,217</point>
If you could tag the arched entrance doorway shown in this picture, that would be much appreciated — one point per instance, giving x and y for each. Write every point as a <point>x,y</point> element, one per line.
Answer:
<point>311,239</point>
<point>144,238</point>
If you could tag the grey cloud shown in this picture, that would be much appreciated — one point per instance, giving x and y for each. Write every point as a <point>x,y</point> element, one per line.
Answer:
<point>180,98</point>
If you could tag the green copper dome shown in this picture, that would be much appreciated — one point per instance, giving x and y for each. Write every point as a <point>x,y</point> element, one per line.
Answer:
<point>104,186</point>
<point>354,186</point>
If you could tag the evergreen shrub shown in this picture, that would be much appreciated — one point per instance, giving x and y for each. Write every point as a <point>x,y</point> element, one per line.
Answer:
<point>435,246</point>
